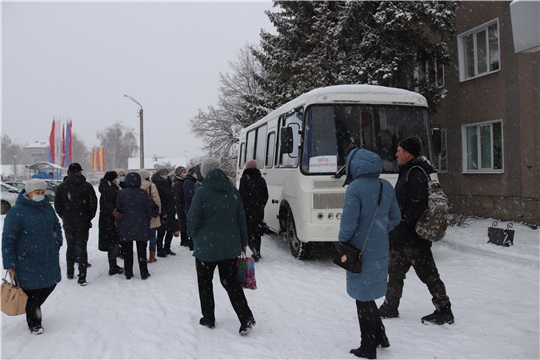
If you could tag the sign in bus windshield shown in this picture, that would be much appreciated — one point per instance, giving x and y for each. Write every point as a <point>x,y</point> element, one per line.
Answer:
<point>332,131</point>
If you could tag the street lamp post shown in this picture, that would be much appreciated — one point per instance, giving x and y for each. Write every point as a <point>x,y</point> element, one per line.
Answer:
<point>142,129</point>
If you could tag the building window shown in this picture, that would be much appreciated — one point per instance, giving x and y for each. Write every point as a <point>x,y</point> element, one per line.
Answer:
<point>478,51</point>
<point>441,159</point>
<point>483,147</point>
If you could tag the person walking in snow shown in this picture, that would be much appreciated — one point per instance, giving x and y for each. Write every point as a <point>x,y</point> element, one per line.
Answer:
<point>365,222</point>
<point>153,194</point>
<point>168,212</point>
<point>407,248</point>
<point>31,241</point>
<point>254,194</point>
<point>134,214</point>
<point>76,204</point>
<point>178,185</point>
<point>189,191</point>
<point>217,224</point>
<point>108,234</point>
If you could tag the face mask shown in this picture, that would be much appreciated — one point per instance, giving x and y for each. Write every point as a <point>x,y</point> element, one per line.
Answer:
<point>38,198</point>
<point>164,177</point>
<point>184,176</point>
<point>195,176</point>
<point>121,178</point>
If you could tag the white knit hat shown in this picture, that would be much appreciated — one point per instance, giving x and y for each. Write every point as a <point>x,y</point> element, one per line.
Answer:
<point>208,165</point>
<point>34,184</point>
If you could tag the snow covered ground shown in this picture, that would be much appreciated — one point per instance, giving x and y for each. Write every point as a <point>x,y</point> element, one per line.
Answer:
<point>301,307</point>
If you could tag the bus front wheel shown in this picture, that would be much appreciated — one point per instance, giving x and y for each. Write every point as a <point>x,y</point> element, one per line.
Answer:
<point>299,249</point>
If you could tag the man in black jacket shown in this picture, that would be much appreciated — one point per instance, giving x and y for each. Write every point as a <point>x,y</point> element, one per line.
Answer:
<point>76,204</point>
<point>407,248</point>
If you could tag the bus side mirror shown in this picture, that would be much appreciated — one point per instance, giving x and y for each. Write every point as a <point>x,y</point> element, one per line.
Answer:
<point>436,137</point>
<point>286,140</point>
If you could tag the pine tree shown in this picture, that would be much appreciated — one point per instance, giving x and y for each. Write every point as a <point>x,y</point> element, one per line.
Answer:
<point>397,44</point>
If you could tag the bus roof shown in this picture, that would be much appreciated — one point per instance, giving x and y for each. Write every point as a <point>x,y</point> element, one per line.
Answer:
<point>350,94</point>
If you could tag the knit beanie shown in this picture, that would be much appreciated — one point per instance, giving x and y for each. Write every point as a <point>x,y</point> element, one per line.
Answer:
<point>120,171</point>
<point>251,164</point>
<point>145,174</point>
<point>178,170</point>
<point>110,175</point>
<point>208,165</point>
<point>34,184</point>
<point>412,144</point>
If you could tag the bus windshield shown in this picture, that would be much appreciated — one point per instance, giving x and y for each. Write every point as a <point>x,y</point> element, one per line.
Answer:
<point>332,131</point>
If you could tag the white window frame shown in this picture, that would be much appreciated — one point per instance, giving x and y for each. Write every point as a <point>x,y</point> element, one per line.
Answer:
<point>464,142</point>
<point>461,52</point>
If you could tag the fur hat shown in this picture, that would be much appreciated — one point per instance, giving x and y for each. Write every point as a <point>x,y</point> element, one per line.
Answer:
<point>161,171</point>
<point>208,165</point>
<point>74,168</point>
<point>110,175</point>
<point>145,174</point>
<point>119,171</point>
<point>34,184</point>
<point>412,144</point>
<point>178,170</point>
<point>251,164</point>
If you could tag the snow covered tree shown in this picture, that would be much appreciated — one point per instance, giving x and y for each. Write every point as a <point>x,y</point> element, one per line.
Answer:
<point>218,127</point>
<point>81,154</point>
<point>119,144</point>
<point>392,43</point>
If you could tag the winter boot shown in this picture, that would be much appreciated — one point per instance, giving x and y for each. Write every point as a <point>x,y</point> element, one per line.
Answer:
<point>152,257</point>
<point>389,309</point>
<point>116,270</point>
<point>439,317</point>
<point>364,353</point>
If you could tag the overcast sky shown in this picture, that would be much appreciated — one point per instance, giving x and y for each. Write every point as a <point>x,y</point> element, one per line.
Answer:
<point>77,60</point>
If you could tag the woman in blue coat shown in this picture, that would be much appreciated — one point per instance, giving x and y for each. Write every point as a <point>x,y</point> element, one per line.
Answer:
<point>134,214</point>
<point>31,242</point>
<point>361,198</point>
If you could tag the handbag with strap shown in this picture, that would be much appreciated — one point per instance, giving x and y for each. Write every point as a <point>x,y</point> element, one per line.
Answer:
<point>349,257</point>
<point>155,207</point>
<point>13,297</point>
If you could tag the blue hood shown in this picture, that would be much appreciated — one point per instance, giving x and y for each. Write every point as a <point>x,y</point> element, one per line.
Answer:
<point>133,180</point>
<point>362,163</point>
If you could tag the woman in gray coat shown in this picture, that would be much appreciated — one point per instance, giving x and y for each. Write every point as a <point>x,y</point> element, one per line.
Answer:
<point>358,220</point>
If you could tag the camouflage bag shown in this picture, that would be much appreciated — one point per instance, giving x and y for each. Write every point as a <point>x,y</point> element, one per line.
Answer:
<point>433,223</point>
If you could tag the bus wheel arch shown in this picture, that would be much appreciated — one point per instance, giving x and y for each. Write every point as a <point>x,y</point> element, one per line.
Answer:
<point>299,249</point>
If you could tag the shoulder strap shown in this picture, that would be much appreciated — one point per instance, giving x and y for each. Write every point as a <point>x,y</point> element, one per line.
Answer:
<point>418,167</point>
<point>374,214</point>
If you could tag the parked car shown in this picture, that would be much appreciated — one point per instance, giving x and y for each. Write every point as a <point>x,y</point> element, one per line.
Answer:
<point>49,192</point>
<point>8,197</point>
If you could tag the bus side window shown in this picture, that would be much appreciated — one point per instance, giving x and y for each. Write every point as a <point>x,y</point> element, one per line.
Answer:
<point>260,145</point>
<point>270,149</point>
<point>250,145</point>
<point>242,159</point>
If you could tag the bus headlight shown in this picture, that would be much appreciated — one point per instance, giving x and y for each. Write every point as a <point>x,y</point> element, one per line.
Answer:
<point>320,216</point>
<point>330,216</point>
<point>338,216</point>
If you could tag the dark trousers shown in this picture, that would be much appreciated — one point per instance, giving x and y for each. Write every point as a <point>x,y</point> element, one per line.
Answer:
<point>254,243</point>
<point>164,240</point>
<point>227,275</point>
<point>112,254</point>
<point>127,249</point>
<point>76,244</point>
<point>421,259</point>
<point>36,298</point>
<point>184,241</point>
<point>371,327</point>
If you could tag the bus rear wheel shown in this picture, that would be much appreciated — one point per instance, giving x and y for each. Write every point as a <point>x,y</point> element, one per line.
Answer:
<point>300,250</point>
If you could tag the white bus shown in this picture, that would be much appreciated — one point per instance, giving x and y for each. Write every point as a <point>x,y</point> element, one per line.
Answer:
<point>301,149</point>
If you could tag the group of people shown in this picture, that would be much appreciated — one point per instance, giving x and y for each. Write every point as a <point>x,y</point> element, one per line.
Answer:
<point>218,222</point>
<point>391,245</point>
<point>141,208</point>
